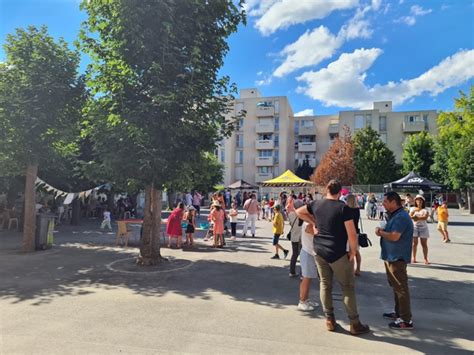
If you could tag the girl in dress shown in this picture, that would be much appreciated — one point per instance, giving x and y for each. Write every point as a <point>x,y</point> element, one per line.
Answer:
<point>217,216</point>
<point>173,225</point>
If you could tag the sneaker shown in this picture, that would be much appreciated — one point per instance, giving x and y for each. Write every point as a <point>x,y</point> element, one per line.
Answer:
<point>359,328</point>
<point>292,275</point>
<point>305,306</point>
<point>390,315</point>
<point>401,324</point>
<point>285,253</point>
<point>276,256</point>
<point>313,303</point>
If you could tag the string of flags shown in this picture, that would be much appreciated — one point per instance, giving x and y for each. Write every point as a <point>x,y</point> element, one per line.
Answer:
<point>68,196</point>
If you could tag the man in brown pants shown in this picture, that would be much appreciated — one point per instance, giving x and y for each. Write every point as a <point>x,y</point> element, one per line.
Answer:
<point>396,242</point>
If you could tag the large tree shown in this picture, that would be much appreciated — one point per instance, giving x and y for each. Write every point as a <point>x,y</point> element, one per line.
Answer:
<point>41,96</point>
<point>337,162</point>
<point>374,161</point>
<point>160,101</point>
<point>418,154</point>
<point>454,148</point>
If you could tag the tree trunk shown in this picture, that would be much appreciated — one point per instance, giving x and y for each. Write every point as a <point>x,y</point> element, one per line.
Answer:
<point>150,244</point>
<point>29,228</point>
<point>470,201</point>
<point>76,212</point>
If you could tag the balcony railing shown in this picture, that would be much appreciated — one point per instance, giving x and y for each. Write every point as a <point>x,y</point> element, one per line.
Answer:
<point>265,128</point>
<point>265,111</point>
<point>306,146</point>
<point>264,144</point>
<point>410,127</point>
<point>307,131</point>
<point>264,161</point>
<point>334,128</point>
<point>312,162</point>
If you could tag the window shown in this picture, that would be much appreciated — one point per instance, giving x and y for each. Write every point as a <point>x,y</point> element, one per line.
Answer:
<point>240,124</point>
<point>264,169</point>
<point>276,156</point>
<point>239,142</point>
<point>307,123</point>
<point>359,121</point>
<point>277,123</point>
<point>383,137</point>
<point>264,104</point>
<point>277,106</point>
<point>265,153</point>
<point>412,118</point>
<point>239,157</point>
<point>277,141</point>
<point>265,136</point>
<point>222,155</point>
<point>297,126</point>
<point>307,139</point>
<point>368,120</point>
<point>425,120</point>
<point>383,123</point>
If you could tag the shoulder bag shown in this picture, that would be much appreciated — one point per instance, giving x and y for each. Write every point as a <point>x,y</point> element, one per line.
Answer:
<point>364,241</point>
<point>288,236</point>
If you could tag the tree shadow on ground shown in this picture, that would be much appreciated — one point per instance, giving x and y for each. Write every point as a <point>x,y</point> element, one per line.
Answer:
<point>77,269</point>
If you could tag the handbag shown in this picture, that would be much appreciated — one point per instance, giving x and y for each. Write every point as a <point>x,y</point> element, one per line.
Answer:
<point>288,236</point>
<point>364,240</point>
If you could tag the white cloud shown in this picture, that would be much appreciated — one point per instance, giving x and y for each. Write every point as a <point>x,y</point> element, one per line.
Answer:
<point>277,14</point>
<point>259,73</point>
<point>310,49</point>
<point>264,81</point>
<point>307,112</point>
<point>415,11</point>
<point>313,47</point>
<point>342,84</point>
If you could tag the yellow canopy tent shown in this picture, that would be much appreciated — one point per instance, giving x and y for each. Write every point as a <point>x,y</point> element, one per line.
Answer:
<point>287,179</point>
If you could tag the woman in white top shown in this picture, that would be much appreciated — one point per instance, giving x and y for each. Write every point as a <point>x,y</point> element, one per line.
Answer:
<point>308,267</point>
<point>419,215</point>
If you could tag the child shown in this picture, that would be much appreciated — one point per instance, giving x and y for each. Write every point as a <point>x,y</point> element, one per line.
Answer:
<point>443,222</point>
<point>266,211</point>
<point>233,213</point>
<point>191,227</point>
<point>106,220</point>
<point>277,231</point>
<point>217,216</point>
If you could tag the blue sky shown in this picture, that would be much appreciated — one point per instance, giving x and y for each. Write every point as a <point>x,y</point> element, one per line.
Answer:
<point>325,55</point>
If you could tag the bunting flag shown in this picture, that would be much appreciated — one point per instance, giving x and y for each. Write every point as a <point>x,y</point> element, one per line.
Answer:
<point>69,196</point>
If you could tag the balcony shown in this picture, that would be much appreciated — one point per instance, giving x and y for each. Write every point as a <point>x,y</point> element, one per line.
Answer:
<point>265,128</point>
<point>306,146</point>
<point>334,128</point>
<point>307,131</point>
<point>264,144</point>
<point>265,111</point>
<point>264,161</point>
<point>261,177</point>
<point>412,127</point>
<point>312,162</point>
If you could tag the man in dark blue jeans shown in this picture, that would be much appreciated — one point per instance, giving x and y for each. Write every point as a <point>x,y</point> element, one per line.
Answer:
<point>396,243</point>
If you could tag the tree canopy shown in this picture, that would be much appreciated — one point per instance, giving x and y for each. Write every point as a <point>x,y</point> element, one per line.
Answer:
<point>374,161</point>
<point>454,148</point>
<point>418,154</point>
<point>160,102</point>
<point>337,162</point>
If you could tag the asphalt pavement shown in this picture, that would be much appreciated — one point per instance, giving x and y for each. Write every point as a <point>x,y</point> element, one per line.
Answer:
<point>87,296</point>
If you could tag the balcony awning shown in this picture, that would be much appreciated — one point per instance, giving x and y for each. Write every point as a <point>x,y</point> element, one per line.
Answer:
<point>287,179</point>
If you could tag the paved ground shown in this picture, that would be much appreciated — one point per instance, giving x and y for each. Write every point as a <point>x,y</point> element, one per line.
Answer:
<point>85,296</point>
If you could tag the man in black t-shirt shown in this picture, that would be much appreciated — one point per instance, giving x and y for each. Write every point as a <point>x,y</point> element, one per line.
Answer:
<point>334,227</point>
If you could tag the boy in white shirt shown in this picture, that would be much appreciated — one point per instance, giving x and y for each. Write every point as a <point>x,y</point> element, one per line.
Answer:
<point>106,221</point>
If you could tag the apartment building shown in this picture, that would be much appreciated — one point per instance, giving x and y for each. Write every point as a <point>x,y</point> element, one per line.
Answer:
<point>262,146</point>
<point>270,140</point>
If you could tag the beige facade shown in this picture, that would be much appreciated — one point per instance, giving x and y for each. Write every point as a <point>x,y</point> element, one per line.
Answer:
<point>262,147</point>
<point>270,140</point>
